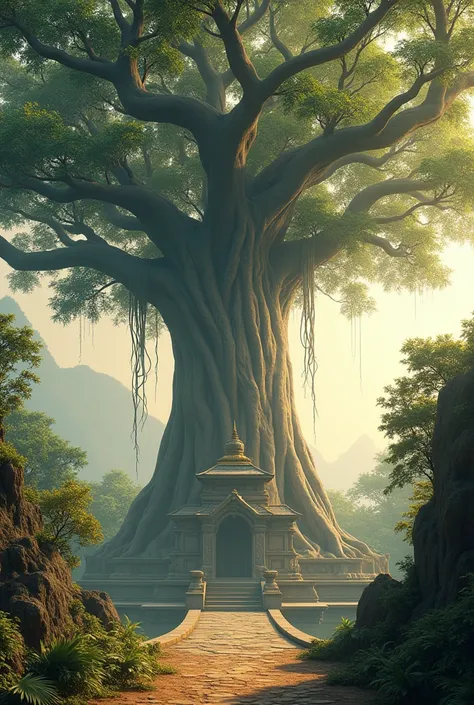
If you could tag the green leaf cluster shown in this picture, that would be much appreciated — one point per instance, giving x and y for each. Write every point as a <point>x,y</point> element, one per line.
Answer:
<point>68,522</point>
<point>327,105</point>
<point>112,497</point>
<point>426,660</point>
<point>12,650</point>
<point>409,405</point>
<point>17,350</point>
<point>366,511</point>
<point>48,460</point>
<point>92,662</point>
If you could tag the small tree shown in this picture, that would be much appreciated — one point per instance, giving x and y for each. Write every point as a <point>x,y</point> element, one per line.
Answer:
<point>410,413</point>
<point>50,461</point>
<point>422,493</point>
<point>112,498</point>
<point>68,522</point>
<point>17,350</point>
<point>365,510</point>
<point>410,402</point>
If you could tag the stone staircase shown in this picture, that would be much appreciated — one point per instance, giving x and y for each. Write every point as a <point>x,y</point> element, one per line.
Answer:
<point>233,596</point>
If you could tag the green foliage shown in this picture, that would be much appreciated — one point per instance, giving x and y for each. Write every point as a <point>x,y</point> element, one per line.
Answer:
<point>410,402</point>
<point>366,511</point>
<point>112,497</point>
<point>421,495</point>
<point>31,689</point>
<point>49,461</point>
<point>74,665</point>
<point>328,106</point>
<point>94,662</point>
<point>57,125</point>
<point>452,173</point>
<point>9,454</point>
<point>12,651</point>
<point>68,522</point>
<point>17,350</point>
<point>426,661</point>
<point>130,663</point>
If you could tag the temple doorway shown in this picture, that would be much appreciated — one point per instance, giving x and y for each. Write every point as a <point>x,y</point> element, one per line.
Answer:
<point>234,551</point>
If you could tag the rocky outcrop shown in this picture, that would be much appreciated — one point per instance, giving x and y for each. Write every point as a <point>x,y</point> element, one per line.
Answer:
<point>372,609</point>
<point>35,582</point>
<point>443,534</point>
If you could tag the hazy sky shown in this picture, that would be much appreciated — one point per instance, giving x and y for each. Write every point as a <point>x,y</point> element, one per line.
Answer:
<point>346,402</point>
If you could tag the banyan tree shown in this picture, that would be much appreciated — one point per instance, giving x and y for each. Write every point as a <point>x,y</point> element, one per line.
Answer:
<point>207,165</point>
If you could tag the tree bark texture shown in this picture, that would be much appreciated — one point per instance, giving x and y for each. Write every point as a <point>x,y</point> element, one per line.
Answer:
<point>229,329</point>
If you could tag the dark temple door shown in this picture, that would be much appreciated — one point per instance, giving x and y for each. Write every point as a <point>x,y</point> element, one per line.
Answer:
<point>234,551</point>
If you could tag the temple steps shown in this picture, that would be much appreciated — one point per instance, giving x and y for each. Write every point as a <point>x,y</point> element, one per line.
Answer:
<point>233,596</point>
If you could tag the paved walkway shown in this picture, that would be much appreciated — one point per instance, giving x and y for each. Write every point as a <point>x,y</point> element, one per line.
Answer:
<point>238,658</point>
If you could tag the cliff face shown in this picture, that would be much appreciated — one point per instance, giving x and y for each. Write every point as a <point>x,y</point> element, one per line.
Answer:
<point>35,582</point>
<point>443,534</point>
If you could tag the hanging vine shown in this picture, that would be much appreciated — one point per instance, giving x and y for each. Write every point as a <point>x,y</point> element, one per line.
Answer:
<point>156,336</point>
<point>140,364</point>
<point>308,322</point>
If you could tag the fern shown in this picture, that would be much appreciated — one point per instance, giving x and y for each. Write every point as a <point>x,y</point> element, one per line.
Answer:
<point>31,689</point>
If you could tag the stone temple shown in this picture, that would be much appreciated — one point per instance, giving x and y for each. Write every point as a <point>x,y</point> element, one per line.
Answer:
<point>232,550</point>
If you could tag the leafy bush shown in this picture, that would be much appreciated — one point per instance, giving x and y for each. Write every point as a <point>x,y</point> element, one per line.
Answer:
<point>93,663</point>
<point>33,690</point>
<point>12,651</point>
<point>130,662</point>
<point>426,662</point>
<point>74,665</point>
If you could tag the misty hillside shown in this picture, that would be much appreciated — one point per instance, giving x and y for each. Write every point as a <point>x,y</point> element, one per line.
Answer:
<point>92,410</point>
<point>344,471</point>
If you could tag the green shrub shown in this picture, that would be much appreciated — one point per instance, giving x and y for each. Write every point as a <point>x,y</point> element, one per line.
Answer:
<point>430,662</point>
<point>74,665</point>
<point>12,651</point>
<point>130,662</point>
<point>30,689</point>
<point>93,663</point>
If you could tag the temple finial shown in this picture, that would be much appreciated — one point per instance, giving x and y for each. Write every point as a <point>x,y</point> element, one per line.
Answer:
<point>234,446</point>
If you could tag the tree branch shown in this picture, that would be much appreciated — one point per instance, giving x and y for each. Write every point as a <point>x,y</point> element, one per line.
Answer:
<point>276,41</point>
<point>160,219</point>
<point>239,62</point>
<point>122,221</point>
<point>309,59</point>
<point>105,258</point>
<point>400,250</point>
<point>189,113</point>
<point>365,199</point>
<point>100,67</point>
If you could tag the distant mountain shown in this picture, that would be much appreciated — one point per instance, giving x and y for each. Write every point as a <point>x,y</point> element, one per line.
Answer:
<point>343,472</point>
<point>92,410</point>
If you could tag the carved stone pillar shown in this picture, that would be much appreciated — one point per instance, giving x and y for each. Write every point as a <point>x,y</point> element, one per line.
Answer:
<point>259,549</point>
<point>208,550</point>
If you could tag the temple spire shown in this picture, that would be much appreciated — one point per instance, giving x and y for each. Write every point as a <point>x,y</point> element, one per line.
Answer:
<point>234,446</point>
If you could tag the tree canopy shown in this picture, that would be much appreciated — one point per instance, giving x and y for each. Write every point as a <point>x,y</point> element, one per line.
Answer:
<point>112,497</point>
<point>410,402</point>
<point>201,164</point>
<point>19,354</point>
<point>68,523</point>
<point>124,124</point>
<point>49,459</point>
<point>366,511</point>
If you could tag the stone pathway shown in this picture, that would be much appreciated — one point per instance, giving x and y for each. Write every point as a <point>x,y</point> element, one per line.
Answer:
<point>238,658</point>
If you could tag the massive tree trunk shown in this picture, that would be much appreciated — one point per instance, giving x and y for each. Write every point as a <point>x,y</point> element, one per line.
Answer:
<point>228,320</point>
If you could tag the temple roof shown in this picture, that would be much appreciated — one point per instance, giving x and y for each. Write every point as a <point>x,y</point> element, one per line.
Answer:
<point>208,509</point>
<point>234,463</point>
